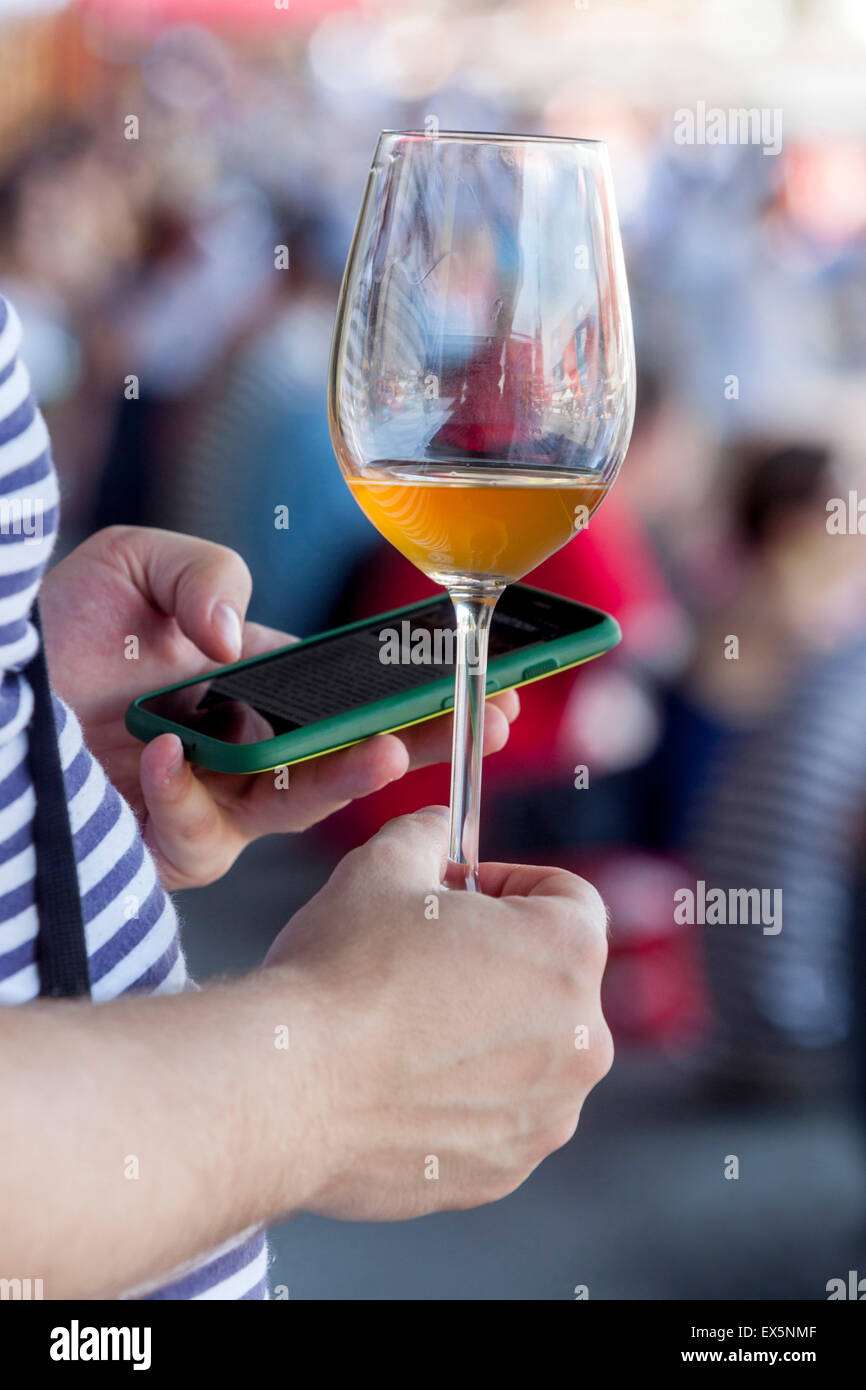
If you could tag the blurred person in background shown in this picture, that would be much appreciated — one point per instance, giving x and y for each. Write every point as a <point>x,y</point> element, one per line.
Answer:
<point>777,791</point>
<point>69,233</point>
<point>204,276</point>
<point>749,273</point>
<point>255,469</point>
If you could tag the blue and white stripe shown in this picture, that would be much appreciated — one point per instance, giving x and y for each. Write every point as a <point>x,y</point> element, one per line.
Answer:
<point>130,922</point>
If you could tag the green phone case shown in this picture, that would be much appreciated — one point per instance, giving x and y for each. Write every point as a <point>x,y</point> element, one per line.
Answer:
<point>383,716</point>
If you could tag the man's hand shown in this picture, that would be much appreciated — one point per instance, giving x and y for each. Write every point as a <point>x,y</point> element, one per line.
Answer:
<point>431,1064</point>
<point>184,602</point>
<point>457,1035</point>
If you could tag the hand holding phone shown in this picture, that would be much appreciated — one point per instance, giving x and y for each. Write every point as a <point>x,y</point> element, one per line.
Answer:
<point>166,588</point>
<point>375,676</point>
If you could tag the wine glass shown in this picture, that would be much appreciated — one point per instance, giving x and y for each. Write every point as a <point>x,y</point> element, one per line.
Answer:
<point>481,392</point>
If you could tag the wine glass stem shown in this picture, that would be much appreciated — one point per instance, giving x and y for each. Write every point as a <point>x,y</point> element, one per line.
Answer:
<point>473,607</point>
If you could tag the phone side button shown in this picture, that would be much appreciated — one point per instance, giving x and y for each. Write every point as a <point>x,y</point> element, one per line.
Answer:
<point>540,668</point>
<point>490,689</point>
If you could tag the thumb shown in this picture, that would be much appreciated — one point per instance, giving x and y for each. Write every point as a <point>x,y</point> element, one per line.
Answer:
<point>203,586</point>
<point>410,852</point>
<point>186,830</point>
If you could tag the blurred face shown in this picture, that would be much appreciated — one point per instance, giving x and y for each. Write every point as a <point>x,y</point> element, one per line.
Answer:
<point>75,227</point>
<point>825,189</point>
<point>822,574</point>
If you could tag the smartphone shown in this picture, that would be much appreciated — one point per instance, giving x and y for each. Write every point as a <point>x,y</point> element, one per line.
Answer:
<point>370,677</point>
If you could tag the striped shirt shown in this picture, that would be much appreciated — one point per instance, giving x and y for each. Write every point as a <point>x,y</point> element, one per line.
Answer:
<point>786,813</point>
<point>130,923</point>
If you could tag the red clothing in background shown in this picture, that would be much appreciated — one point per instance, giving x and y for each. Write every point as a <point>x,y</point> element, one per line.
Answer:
<point>610,566</point>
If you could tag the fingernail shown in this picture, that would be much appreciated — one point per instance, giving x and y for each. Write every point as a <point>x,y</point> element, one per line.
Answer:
<point>228,624</point>
<point>175,762</point>
<point>435,811</point>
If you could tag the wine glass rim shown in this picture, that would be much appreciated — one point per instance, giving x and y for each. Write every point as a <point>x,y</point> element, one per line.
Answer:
<point>496,137</point>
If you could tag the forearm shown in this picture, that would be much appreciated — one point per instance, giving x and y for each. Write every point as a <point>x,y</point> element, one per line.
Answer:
<point>138,1134</point>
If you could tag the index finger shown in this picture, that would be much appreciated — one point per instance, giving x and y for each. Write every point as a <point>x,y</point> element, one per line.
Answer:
<point>260,640</point>
<point>545,881</point>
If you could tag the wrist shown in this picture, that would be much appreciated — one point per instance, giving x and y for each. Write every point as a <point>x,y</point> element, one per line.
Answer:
<point>291,1062</point>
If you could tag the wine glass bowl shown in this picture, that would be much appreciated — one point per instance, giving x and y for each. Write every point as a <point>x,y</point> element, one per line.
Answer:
<point>481,391</point>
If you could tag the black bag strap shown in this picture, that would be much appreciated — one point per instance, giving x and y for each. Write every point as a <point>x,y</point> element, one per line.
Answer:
<point>61,948</point>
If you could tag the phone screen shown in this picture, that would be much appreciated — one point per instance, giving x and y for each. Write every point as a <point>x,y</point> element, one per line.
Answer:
<point>339,672</point>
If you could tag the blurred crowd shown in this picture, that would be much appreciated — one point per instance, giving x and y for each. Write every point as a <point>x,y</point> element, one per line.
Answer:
<point>181,362</point>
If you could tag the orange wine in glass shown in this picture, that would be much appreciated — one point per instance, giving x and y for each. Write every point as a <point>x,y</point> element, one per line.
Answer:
<point>481,392</point>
